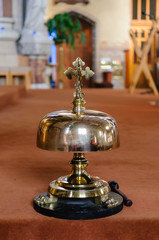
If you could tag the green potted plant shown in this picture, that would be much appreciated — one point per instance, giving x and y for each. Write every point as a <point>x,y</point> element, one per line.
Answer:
<point>66,28</point>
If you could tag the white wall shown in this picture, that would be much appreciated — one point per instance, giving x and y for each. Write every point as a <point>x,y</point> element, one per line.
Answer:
<point>112,16</point>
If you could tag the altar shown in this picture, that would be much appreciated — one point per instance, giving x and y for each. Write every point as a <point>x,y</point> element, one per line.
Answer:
<point>26,170</point>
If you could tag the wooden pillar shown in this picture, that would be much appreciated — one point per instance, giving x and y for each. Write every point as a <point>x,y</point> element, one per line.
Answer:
<point>147,9</point>
<point>138,9</point>
<point>157,9</point>
<point>127,69</point>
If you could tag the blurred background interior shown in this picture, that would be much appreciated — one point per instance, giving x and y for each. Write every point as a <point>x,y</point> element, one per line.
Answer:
<point>39,40</point>
<point>30,56</point>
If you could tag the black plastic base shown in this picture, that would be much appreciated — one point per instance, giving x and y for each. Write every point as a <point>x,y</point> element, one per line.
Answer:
<point>81,208</point>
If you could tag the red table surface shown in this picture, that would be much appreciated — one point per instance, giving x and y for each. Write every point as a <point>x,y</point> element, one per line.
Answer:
<point>26,171</point>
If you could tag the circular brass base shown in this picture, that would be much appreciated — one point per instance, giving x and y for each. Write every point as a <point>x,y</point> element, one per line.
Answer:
<point>75,208</point>
<point>62,188</point>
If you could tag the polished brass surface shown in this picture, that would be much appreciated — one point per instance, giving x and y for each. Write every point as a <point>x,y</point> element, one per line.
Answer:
<point>101,189</point>
<point>78,72</point>
<point>79,131</point>
<point>65,131</point>
<point>78,174</point>
<point>79,184</point>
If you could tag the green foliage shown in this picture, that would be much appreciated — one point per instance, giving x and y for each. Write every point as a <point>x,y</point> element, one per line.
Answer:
<point>65,28</point>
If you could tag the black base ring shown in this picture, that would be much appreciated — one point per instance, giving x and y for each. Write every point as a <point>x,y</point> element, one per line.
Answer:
<point>81,208</point>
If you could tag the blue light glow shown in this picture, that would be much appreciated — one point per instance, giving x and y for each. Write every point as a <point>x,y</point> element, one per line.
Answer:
<point>53,55</point>
<point>2,28</point>
<point>34,32</point>
<point>52,35</point>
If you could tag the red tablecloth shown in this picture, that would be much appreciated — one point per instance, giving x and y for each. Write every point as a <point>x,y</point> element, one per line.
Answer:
<point>26,171</point>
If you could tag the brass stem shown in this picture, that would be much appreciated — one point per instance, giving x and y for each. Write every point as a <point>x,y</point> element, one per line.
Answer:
<point>78,174</point>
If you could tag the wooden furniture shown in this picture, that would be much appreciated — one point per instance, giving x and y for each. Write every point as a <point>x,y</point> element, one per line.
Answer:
<point>21,72</point>
<point>142,55</point>
<point>4,72</point>
<point>10,73</point>
<point>141,26</point>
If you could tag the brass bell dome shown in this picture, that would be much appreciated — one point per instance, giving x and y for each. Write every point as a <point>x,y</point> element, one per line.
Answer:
<point>66,131</point>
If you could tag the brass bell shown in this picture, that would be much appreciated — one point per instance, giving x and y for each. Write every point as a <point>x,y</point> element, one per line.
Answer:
<point>78,195</point>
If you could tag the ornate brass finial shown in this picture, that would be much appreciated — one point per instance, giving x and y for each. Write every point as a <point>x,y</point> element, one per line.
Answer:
<point>78,101</point>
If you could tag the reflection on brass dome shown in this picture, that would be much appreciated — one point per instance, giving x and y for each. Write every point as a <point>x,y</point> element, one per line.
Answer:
<point>67,132</point>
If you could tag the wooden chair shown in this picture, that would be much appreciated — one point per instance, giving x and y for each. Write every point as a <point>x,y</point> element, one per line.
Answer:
<point>10,73</point>
<point>142,55</point>
<point>4,72</point>
<point>21,72</point>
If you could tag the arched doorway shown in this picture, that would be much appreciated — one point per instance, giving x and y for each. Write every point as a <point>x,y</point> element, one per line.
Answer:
<point>85,51</point>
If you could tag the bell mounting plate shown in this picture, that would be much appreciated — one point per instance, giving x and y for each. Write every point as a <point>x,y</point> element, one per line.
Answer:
<point>84,208</point>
